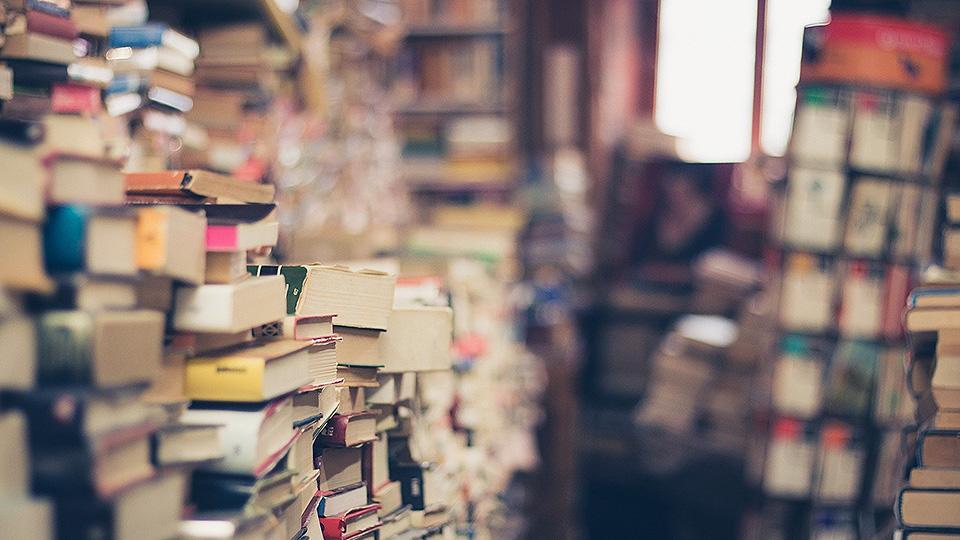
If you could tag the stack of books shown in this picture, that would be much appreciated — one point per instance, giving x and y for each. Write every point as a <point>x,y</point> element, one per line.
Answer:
<point>21,512</point>
<point>928,503</point>
<point>152,89</point>
<point>239,75</point>
<point>83,364</point>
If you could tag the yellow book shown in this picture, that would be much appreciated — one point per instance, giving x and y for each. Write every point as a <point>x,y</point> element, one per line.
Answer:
<point>260,372</point>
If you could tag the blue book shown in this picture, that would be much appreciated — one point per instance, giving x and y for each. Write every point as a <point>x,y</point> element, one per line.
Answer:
<point>124,83</point>
<point>153,35</point>
<point>48,7</point>
<point>63,238</point>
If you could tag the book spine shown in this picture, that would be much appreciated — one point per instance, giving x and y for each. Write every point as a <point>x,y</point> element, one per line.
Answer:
<point>137,37</point>
<point>221,238</point>
<point>51,25</point>
<point>75,99</point>
<point>335,432</point>
<point>65,348</point>
<point>333,527</point>
<point>64,239</point>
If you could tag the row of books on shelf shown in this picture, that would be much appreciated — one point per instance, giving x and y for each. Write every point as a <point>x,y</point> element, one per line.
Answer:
<point>823,462</point>
<point>848,379</point>
<point>463,72</point>
<point>467,149</point>
<point>877,131</point>
<point>863,216</point>
<point>853,298</point>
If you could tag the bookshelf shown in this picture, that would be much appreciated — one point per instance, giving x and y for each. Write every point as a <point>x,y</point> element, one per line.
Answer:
<point>453,79</point>
<point>831,421</point>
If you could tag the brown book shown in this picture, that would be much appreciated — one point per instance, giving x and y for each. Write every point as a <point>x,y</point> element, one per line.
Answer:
<point>939,448</point>
<point>218,109</point>
<point>198,183</point>
<point>929,477</point>
<point>32,46</point>
<point>345,430</point>
<point>362,376</point>
<point>928,508</point>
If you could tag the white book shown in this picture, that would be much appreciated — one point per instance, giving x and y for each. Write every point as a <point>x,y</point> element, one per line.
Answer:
<point>788,469</point>
<point>875,140</point>
<point>839,471</point>
<point>230,308</point>
<point>861,304</point>
<point>915,118</point>
<point>797,385</point>
<point>361,299</point>
<point>388,391</point>
<point>419,339</point>
<point>807,294</point>
<point>820,131</point>
<point>125,59</point>
<point>813,217</point>
<point>868,216</point>
<point>252,438</point>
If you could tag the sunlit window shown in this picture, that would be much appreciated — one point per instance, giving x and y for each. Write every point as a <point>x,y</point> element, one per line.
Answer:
<point>704,91</point>
<point>781,66</point>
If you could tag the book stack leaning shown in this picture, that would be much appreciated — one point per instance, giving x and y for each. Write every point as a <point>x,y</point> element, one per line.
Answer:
<point>929,505</point>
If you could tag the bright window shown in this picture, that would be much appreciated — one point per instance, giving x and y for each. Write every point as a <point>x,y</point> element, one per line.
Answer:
<point>781,66</point>
<point>704,89</point>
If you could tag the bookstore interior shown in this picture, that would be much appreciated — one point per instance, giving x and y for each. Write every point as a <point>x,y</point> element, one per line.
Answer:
<point>480,269</point>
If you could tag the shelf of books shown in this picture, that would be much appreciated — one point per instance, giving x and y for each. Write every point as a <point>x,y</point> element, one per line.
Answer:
<point>854,224</point>
<point>452,98</point>
<point>162,374</point>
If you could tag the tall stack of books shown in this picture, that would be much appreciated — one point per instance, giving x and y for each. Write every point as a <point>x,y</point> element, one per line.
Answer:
<point>94,349</point>
<point>927,504</point>
<point>239,75</point>
<point>854,221</point>
<point>153,64</point>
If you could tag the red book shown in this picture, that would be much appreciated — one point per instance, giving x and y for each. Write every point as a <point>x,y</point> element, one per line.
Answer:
<point>349,429</point>
<point>66,98</point>
<point>351,524</point>
<point>51,25</point>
